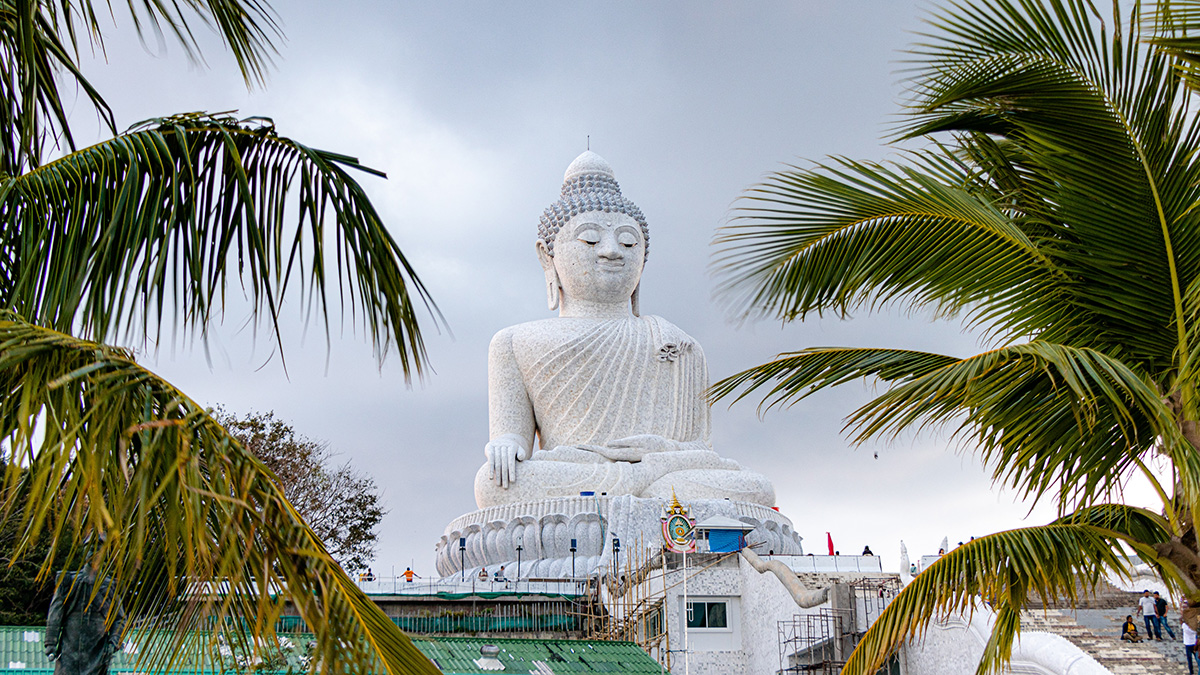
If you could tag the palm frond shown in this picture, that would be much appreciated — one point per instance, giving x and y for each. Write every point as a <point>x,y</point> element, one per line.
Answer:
<point>247,27</point>
<point>1042,415</point>
<point>1047,418</point>
<point>1108,142</point>
<point>1175,25</point>
<point>40,44</point>
<point>838,236</point>
<point>799,374</point>
<point>153,223</point>
<point>1004,569</point>
<point>197,536</point>
<point>1131,522</point>
<point>1081,142</point>
<point>32,115</point>
<point>1052,119</point>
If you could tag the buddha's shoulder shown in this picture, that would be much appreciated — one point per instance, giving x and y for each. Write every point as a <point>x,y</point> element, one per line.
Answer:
<point>523,335</point>
<point>540,332</point>
<point>549,332</point>
<point>669,331</point>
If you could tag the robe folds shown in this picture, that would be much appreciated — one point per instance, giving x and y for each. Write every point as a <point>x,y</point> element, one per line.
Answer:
<point>617,378</point>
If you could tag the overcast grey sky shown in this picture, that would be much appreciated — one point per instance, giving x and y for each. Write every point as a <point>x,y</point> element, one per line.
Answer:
<point>474,109</point>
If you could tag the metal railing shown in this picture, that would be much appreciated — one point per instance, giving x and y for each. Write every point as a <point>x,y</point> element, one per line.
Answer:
<point>471,585</point>
<point>830,563</point>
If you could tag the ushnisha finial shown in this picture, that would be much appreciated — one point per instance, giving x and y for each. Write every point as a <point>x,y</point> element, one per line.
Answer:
<point>588,185</point>
<point>589,163</point>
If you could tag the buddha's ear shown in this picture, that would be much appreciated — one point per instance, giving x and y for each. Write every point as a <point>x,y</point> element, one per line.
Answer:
<point>544,255</point>
<point>633,300</point>
<point>553,287</point>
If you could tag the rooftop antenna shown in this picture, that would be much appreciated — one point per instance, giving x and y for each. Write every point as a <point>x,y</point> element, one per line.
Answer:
<point>589,142</point>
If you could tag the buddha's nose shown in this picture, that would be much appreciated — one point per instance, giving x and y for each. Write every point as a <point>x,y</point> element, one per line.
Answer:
<point>608,247</point>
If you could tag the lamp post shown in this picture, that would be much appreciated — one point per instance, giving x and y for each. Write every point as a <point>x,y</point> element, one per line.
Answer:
<point>462,556</point>
<point>572,558</point>
<point>617,574</point>
<point>617,558</point>
<point>519,549</point>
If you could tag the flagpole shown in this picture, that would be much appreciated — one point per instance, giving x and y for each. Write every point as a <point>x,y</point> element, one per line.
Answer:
<point>686,652</point>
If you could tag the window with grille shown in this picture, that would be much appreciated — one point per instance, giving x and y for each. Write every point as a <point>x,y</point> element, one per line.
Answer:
<point>708,614</point>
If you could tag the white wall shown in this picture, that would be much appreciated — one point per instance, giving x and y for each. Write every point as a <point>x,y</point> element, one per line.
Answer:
<point>770,603</point>
<point>710,652</point>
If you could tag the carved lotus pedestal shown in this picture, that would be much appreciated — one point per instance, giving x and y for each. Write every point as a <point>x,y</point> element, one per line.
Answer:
<point>544,530</point>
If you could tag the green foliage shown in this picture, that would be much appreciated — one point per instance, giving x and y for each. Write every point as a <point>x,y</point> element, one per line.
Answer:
<point>39,46</point>
<point>180,501</point>
<point>340,504</point>
<point>24,599</point>
<point>1055,207</point>
<point>146,229</point>
<point>150,226</point>
<point>24,596</point>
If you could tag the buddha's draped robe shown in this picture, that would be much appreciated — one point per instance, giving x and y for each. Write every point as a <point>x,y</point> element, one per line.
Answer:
<point>622,377</point>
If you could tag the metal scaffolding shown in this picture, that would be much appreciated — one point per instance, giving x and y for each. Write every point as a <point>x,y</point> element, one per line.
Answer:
<point>816,643</point>
<point>629,603</point>
<point>821,642</point>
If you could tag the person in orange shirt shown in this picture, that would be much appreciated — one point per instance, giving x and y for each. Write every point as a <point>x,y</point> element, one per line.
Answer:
<point>409,574</point>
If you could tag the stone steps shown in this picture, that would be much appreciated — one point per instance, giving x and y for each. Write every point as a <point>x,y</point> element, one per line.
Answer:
<point>1095,631</point>
<point>1106,596</point>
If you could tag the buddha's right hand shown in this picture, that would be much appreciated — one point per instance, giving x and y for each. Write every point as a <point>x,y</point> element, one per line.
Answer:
<point>503,453</point>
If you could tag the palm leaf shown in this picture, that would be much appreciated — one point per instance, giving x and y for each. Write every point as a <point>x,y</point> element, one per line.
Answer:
<point>246,27</point>
<point>1175,24</point>
<point>40,42</point>
<point>1131,522</point>
<point>32,55</point>
<point>153,223</point>
<point>1081,143</point>
<point>838,236</point>
<point>1042,415</point>
<point>1006,569</point>
<point>797,375</point>
<point>197,535</point>
<point>1066,157</point>
<point>1108,143</point>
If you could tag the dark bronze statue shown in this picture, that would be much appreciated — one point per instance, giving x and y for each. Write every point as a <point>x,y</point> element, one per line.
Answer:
<point>79,638</point>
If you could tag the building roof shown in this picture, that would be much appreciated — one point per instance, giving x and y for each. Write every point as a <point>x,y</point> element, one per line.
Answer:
<point>461,656</point>
<point>21,652</point>
<point>722,523</point>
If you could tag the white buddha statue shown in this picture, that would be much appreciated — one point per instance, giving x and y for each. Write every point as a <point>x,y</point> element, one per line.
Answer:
<point>614,399</point>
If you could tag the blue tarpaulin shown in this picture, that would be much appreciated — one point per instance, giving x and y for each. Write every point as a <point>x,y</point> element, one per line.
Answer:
<point>725,541</point>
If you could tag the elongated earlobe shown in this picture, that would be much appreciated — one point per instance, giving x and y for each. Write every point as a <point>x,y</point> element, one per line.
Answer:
<point>553,289</point>
<point>633,300</point>
<point>553,285</point>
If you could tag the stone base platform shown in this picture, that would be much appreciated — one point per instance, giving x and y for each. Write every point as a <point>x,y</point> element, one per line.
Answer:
<point>544,530</point>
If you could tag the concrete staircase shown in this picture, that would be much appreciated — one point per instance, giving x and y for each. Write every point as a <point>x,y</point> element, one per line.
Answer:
<point>1095,627</point>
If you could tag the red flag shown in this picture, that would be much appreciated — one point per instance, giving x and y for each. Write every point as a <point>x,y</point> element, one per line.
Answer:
<point>830,538</point>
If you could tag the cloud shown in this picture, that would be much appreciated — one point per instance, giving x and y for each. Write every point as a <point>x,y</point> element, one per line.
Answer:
<point>474,109</point>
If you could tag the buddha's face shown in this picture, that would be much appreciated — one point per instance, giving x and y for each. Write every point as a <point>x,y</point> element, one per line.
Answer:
<point>598,257</point>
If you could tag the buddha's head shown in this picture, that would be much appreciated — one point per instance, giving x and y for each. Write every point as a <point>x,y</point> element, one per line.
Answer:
<point>592,242</point>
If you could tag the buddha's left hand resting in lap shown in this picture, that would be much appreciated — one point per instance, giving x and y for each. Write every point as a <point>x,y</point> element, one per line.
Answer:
<point>615,399</point>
